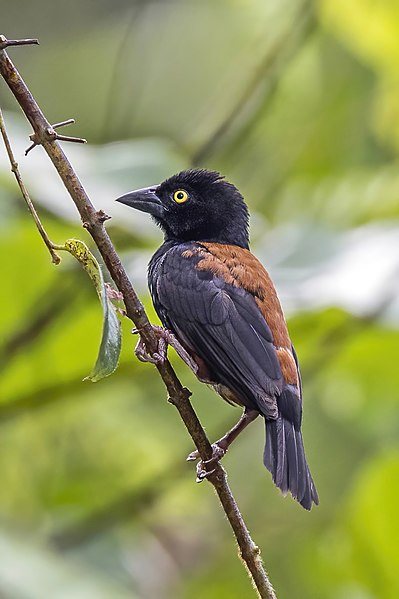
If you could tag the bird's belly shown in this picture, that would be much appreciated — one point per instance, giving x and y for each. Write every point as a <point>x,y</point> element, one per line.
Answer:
<point>227,394</point>
<point>205,375</point>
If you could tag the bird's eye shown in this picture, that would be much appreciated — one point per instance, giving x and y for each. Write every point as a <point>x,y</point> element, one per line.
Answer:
<point>180,196</point>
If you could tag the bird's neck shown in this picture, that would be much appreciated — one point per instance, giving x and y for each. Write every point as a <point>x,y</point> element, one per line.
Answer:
<point>224,237</point>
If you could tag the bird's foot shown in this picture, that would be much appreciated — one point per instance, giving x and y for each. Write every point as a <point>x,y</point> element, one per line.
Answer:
<point>143,355</point>
<point>170,339</point>
<point>113,294</point>
<point>165,337</point>
<point>204,467</point>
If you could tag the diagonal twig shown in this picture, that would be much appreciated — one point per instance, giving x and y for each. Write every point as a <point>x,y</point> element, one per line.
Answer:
<point>14,168</point>
<point>93,221</point>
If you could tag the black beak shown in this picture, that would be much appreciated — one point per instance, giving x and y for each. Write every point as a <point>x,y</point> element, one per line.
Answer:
<point>145,199</point>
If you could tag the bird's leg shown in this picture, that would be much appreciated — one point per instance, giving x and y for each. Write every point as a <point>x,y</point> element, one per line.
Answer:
<point>220,447</point>
<point>165,338</point>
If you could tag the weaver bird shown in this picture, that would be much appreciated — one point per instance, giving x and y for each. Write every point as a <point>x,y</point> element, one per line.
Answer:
<point>221,311</point>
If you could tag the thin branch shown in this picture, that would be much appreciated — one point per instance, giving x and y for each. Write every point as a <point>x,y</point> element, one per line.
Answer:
<point>93,221</point>
<point>5,43</point>
<point>14,168</point>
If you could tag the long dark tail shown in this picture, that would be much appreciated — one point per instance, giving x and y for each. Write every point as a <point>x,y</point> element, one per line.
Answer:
<point>285,458</point>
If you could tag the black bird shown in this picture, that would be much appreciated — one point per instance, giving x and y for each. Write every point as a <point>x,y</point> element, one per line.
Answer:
<point>221,305</point>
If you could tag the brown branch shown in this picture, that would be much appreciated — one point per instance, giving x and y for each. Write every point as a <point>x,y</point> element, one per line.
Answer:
<point>5,43</point>
<point>93,221</point>
<point>14,168</point>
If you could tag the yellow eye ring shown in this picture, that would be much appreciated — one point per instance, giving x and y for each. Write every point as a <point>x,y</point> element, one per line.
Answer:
<point>180,196</point>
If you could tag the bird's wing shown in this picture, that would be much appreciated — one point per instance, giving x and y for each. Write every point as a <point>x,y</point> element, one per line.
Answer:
<point>222,322</point>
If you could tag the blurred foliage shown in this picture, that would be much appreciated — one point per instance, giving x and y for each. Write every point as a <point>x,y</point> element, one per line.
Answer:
<point>297,103</point>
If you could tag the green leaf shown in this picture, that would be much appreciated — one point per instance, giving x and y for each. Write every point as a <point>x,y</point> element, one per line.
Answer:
<point>110,348</point>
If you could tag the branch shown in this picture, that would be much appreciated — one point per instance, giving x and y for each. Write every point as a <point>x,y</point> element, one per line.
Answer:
<point>93,221</point>
<point>14,168</point>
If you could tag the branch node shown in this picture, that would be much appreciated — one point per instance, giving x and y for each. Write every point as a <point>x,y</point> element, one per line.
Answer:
<point>33,145</point>
<point>86,225</point>
<point>186,393</point>
<point>49,134</point>
<point>183,395</point>
<point>102,216</point>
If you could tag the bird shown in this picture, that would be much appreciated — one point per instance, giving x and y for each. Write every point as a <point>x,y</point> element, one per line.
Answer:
<point>218,303</point>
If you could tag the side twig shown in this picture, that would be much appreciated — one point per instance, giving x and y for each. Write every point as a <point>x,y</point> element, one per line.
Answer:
<point>14,168</point>
<point>93,221</point>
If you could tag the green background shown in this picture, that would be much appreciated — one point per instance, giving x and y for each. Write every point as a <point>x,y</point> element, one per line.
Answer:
<point>297,103</point>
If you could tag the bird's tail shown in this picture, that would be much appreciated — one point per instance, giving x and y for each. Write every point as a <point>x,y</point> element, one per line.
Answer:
<point>285,458</point>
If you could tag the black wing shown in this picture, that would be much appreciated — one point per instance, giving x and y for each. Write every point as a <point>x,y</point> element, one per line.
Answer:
<point>222,324</point>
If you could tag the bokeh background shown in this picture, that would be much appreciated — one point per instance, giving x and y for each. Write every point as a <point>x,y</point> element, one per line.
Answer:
<point>297,103</point>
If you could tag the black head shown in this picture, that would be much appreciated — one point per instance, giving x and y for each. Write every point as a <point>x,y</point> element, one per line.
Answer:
<point>195,205</point>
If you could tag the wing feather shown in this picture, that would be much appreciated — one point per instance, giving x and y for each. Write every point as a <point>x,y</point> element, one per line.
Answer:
<point>223,325</point>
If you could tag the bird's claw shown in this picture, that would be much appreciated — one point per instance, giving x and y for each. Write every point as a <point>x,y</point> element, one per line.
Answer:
<point>169,338</point>
<point>202,473</point>
<point>217,453</point>
<point>113,294</point>
<point>142,354</point>
<point>192,457</point>
<point>165,338</point>
<point>202,467</point>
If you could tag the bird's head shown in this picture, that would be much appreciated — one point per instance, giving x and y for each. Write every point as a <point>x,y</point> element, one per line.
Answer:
<point>195,205</point>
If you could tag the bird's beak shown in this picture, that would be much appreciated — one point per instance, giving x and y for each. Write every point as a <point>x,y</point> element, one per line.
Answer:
<point>145,199</point>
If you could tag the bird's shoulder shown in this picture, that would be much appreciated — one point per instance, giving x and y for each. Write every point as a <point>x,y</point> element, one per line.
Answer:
<point>241,269</point>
